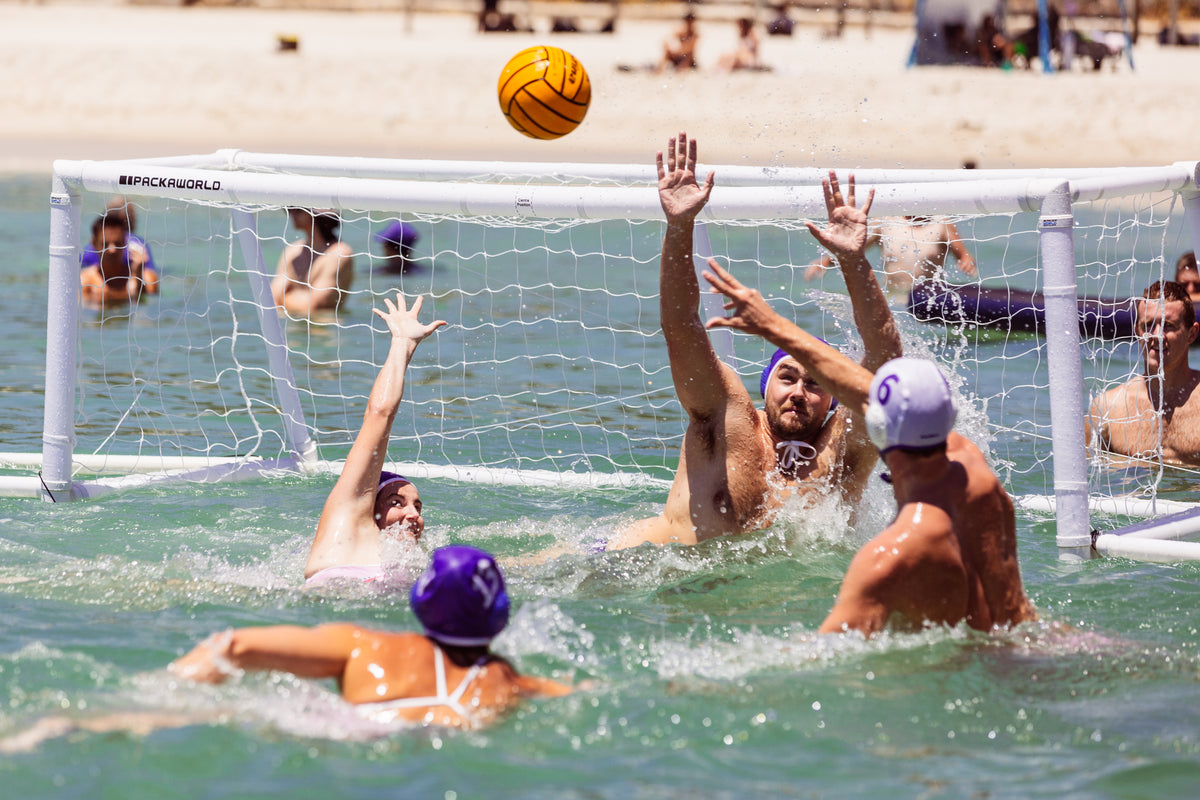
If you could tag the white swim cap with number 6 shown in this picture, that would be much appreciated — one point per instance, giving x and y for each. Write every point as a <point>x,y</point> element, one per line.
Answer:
<point>910,405</point>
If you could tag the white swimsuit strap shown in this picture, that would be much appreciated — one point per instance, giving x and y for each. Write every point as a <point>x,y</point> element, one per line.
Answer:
<point>439,669</point>
<point>453,700</point>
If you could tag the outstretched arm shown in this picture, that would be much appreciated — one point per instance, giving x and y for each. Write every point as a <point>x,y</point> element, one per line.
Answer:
<point>846,236</point>
<point>698,374</point>
<point>347,523</point>
<point>320,652</point>
<point>840,376</point>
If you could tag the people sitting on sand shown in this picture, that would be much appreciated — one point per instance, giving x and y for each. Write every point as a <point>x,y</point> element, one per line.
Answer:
<point>314,273</point>
<point>118,276</point>
<point>950,554</point>
<point>679,50</point>
<point>745,55</point>
<point>914,250</point>
<point>368,503</point>
<point>994,48</point>
<point>1155,415</point>
<point>739,465</point>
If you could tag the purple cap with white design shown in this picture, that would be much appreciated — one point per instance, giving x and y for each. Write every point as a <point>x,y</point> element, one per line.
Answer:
<point>460,599</point>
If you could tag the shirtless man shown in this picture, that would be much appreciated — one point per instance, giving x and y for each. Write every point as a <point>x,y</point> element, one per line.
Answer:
<point>913,249</point>
<point>738,464</point>
<point>1157,413</point>
<point>367,503</point>
<point>950,555</point>
<point>116,277</point>
<point>315,272</point>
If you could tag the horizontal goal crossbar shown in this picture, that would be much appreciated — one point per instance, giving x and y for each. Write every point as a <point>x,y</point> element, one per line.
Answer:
<point>727,174</point>
<point>1010,195</point>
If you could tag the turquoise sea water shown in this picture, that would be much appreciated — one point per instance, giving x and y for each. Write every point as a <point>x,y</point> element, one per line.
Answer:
<point>708,679</point>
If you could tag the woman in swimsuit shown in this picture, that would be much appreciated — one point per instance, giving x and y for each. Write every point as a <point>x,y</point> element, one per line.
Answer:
<point>367,502</point>
<point>461,603</point>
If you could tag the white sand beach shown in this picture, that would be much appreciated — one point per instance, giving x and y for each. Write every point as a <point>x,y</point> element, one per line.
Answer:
<point>110,80</point>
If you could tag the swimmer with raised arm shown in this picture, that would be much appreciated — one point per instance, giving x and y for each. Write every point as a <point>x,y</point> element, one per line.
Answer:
<point>738,464</point>
<point>950,554</point>
<point>447,676</point>
<point>368,503</point>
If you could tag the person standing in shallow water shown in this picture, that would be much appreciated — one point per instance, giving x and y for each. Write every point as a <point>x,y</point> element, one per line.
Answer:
<point>314,273</point>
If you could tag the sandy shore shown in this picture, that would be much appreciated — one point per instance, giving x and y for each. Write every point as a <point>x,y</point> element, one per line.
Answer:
<point>114,81</point>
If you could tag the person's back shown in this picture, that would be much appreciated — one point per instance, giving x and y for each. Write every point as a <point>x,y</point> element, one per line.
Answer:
<point>981,537</point>
<point>314,273</point>
<point>915,250</point>
<point>473,687</point>
<point>950,555</point>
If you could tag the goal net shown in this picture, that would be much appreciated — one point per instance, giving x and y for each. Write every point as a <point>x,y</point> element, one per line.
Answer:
<point>553,369</point>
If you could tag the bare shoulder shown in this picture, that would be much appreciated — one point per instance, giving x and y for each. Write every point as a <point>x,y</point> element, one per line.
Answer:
<point>1193,401</point>
<point>979,475</point>
<point>904,546</point>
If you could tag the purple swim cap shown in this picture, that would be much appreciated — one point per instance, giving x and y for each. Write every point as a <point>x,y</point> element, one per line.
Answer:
<point>398,233</point>
<point>460,599</point>
<point>386,478</point>
<point>769,370</point>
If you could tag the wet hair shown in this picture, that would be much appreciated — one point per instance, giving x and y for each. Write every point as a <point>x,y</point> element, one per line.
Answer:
<point>109,219</point>
<point>326,222</point>
<point>1170,292</point>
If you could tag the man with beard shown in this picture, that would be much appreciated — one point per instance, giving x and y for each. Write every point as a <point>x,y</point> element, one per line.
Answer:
<point>739,464</point>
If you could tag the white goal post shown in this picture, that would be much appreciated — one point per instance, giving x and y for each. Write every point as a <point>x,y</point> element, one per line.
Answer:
<point>553,370</point>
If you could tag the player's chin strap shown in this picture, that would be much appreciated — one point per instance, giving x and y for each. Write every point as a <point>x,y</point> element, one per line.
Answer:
<point>792,454</point>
